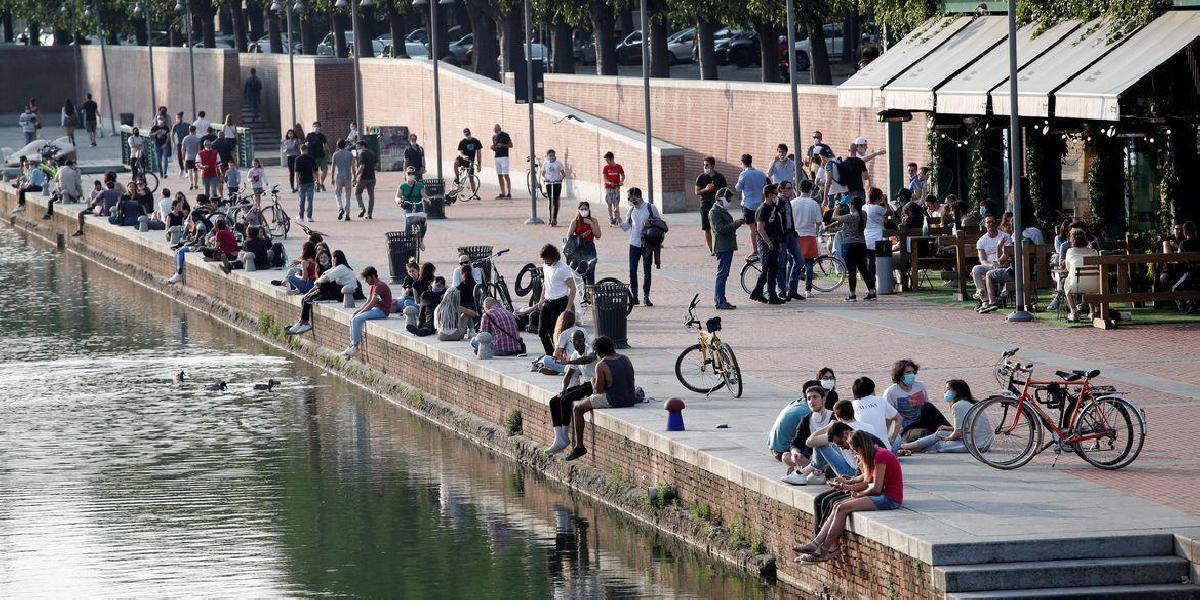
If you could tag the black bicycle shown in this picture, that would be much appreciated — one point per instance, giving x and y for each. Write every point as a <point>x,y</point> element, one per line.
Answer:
<point>493,283</point>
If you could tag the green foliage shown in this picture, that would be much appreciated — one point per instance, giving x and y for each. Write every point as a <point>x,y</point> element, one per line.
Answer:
<point>616,481</point>
<point>664,495</point>
<point>513,422</point>
<point>901,16</point>
<point>1125,15</point>
<point>1106,183</point>
<point>978,191</point>
<point>264,322</point>
<point>1043,168</point>
<point>701,510</point>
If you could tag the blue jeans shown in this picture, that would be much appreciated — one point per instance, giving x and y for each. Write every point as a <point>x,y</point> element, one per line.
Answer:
<point>724,262</point>
<point>548,362</point>
<point>936,442</point>
<point>357,322</point>
<point>179,256</point>
<point>790,246</point>
<point>306,199</point>
<point>28,136</point>
<point>831,456</point>
<point>769,261</point>
<point>639,253</point>
<point>162,154</point>
<point>299,284</point>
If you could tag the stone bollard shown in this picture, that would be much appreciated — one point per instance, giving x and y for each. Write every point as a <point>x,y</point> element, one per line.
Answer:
<point>348,296</point>
<point>143,223</point>
<point>173,234</point>
<point>411,315</point>
<point>60,240</point>
<point>484,348</point>
<point>247,259</point>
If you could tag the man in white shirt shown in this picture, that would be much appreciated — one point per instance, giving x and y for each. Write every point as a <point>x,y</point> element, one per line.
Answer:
<point>201,123</point>
<point>476,272</point>
<point>877,412</point>
<point>828,177</point>
<point>828,452</point>
<point>635,224</point>
<point>28,123</point>
<point>807,217</point>
<point>558,294</point>
<point>994,259</point>
<point>783,168</point>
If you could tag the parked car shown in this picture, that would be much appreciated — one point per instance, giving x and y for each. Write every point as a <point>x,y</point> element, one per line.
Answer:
<point>421,34</point>
<point>539,52</point>
<point>585,47</point>
<point>720,35</point>
<point>682,45</point>
<point>834,43</point>
<point>263,44</point>
<point>740,48</point>
<point>629,50</point>
<point>325,48</point>
<point>460,49</point>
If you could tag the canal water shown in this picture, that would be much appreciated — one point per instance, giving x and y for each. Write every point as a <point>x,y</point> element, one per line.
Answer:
<point>118,481</point>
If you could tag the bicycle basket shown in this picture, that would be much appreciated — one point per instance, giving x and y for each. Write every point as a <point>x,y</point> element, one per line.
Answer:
<point>713,325</point>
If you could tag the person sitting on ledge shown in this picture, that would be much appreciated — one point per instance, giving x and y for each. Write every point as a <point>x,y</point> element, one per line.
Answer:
<point>577,385</point>
<point>378,305</point>
<point>129,209</point>
<point>224,249</point>
<point>787,421</point>
<point>258,244</point>
<point>31,179</point>
<point>799,456</point>
<point>880,486</point>
<point>830,450</point>
<point>949,438</point>
<point>102,205</point>
<point>451,317</point>
<point>909,397</point>
<point>328,286</point>
<point>612,387</point>
<point>555,364</point>
<point>502,324</point>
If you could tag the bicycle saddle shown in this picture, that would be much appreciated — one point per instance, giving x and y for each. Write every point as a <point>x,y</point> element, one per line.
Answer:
<point>1078,374</point>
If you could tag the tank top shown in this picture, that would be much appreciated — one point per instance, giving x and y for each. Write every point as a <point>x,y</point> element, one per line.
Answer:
<point>620,393</point>
<point>583,229</point>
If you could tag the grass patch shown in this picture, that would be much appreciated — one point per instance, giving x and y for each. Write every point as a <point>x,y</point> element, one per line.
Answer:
<point>1140,316</point>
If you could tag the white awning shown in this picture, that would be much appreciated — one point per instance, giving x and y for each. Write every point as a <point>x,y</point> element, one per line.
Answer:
<point>967,92</point>
<point>1095,93</point>
<point>914,88</point>
<point>1040,78</point>
<point>862,90</point>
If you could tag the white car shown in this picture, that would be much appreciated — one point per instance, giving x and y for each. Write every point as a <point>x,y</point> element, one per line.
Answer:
<point>682,45</point>
<point>325,48</point>
<point>834,43</point>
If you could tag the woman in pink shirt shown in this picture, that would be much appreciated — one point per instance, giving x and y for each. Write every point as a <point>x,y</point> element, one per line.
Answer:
<point>879,486</point>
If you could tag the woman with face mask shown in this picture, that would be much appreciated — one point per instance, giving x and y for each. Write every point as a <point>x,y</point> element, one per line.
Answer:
<point>950,438</point>
<point>409,199</point>
<point>828,381</point>
<point>553,173</point>
<point>910,398</point>
<point>724,229</point>
<point>586,230</point>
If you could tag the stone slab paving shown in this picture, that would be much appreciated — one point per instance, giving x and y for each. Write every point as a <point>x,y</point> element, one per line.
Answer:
<point>948,498</point>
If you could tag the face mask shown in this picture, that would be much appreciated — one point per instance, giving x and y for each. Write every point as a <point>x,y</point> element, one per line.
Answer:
<point>438,288</point>
<point>412,178</point>
<point>316,129</point>
<point>585,212</point>
<point>982,213</point>
<point>816,141</point>
<point>827,383</point>
<point>949,396</point>
<point>909,378</point>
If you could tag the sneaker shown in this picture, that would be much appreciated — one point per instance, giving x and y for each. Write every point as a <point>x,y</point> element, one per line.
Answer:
<point>341,213</point>
<point>577,452</point>
<point>77,233</point>
<point>361,214</point>
<point>795,479</point>
<point>299,328</point>
<point>815,478</point>
<point>797,296</point>
<point>753,257</point>
<point>987,308</point>
<point>176,278</point>
<point>350,351</point>
<point>635,301</point>
<point>870,296</point>
<point>294,292</point>
<point>758,298</point>
<point>226,267</point>
<point>648,302</point>
<point>277,282</point>
<point>776,300</point>
<point>47,217</point>
<point>726,306</point>
<point>851,298</point>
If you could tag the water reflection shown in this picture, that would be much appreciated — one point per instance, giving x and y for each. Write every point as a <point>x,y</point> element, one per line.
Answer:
<point>118,481</point>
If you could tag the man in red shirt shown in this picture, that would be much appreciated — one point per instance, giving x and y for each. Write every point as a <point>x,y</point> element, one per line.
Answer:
<point>379,304</point>
<point>207,161</point>
<point>614,178</point>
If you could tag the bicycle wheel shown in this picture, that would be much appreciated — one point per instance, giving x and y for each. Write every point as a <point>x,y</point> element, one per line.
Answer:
<point>629,294</point>
<point>500,292</point>
<point>750,273</point>
<point>1120,429</point>
<point>1001,433</point>
<point>695,372</point>
<point>829,273</point>
<point>533,273</point>
<point>276,221</point>
<point>531,184</point>
<point>150,179</point>
<point>473,186</point>
<point>731,373</point>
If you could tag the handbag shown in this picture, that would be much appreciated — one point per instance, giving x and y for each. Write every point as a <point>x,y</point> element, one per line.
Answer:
<point>520,342</point>
<point>656,226</point>
<point>570,245</point>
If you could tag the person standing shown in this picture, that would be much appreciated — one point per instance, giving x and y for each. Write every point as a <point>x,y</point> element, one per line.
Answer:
<point>558,294</point>
<point>814,152</point>
<point>724,243</point>
<point>414,156</point>
<point>289,147</point>
<point>316,142</point>
<point>854,246</point>
<point>70,120</point>
<point>364,174</point>
<point>770,234</point>
<point>553,173</point>
<point>635,224</point>
<point>202,124</point>
<point>585,228</point>
<point>783,168</point>
<point>306,178</point>
<point>91,116</point>
<point>750,185</point>
<point>807,218</point>
<point>28,123</point>
<point>179,131</point>
<point>501,143</point>
<point>208,163</point>
<point>190,145</point>
<point>708,184</point>
<point>253,91</point>
<point>613,175</point>
<point>160,134</point>
<point>877,211</point>
<point>343,176</point>
<point>789,245</point>
<point>852,171</point>
<point>137,153</point>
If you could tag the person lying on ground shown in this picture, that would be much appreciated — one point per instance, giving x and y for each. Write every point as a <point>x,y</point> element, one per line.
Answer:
<point>612,387</point>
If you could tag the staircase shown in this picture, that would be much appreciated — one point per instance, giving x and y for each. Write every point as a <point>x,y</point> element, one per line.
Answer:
<point>266,136</point>
<point>1138,566</point>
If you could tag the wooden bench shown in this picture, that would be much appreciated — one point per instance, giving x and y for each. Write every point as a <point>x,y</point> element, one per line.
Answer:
<point>1102,316</point>
<point>963,260</point>
<point>1036,274</point>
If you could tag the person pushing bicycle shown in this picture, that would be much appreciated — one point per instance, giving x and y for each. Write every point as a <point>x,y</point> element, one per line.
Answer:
<point>469,154</point>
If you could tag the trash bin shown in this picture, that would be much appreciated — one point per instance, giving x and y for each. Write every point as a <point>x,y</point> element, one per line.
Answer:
<point>435,198</point>
<point>609,310</point>
<point>371,138</point>
<point>885,282</point>
<point>401,247</point>
<point>127,119</point>
<point>476,254</point>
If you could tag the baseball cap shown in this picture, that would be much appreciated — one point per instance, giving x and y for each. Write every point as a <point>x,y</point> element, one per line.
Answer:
<point>860,141</point>
<point>463,259</point>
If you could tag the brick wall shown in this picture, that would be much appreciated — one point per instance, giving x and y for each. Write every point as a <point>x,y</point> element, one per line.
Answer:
<point>45,73</point>
<point>275,103</point>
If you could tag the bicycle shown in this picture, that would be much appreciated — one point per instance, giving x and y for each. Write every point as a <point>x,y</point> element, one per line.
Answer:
<point>273,217</point>
<point>493,283</point>
<point>829,272</point>
<point>139,171</point>
<point>531,180</point>
<point>710,364</point>
<point>1095,422</point>
<point>464,180</point>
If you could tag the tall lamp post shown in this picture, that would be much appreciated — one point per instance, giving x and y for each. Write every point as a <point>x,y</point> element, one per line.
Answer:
<point>142,9</point>
<point>112,118</point>
<point>70,11</point>
<point>1020,314</point>
<point>291,48</point>
<point>437,99</point>
<point>185,7</point>
<point>529,94</point>
<point>791,61</point>
<point>358,41</point>
<point>646,102</point>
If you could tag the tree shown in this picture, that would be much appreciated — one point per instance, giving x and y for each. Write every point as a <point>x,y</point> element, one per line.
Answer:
<point>366,31</point>
<point>485,50</point>
<point>602,16</point>
<point>274,33</point>
<point>659,20</point>
<point>238,21</point>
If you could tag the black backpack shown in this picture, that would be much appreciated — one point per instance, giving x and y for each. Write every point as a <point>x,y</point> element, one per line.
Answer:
<point>278,256</point>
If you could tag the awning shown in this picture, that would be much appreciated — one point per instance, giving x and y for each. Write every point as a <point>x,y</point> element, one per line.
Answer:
<point>967,92</point>
<point>914,88</point>
<point>862,90</point>
<point>1040,78</point>
<point>1095,93</point>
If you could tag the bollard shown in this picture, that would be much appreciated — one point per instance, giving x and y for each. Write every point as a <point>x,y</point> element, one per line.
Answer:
<point>60,240</point>
<point>485,349</point>
<point>674,408</point>
<point>143,223</point>
<point>173,234</point>
<point>247,259</point>
<point>411,316</point>
<point>348,296</point>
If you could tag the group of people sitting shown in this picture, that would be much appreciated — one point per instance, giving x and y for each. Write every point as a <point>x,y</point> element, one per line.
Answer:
<point>853,444</point>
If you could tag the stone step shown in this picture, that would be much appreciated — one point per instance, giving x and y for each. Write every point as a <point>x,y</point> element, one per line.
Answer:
<point>974,553</point>
<point>1167,591</point>
<point>1121,571</point>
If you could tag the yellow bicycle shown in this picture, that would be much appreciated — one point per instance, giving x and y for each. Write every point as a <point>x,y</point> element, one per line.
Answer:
<point>709,365</point>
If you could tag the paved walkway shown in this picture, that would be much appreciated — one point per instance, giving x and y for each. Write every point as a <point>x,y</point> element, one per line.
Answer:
<point>948,497</point>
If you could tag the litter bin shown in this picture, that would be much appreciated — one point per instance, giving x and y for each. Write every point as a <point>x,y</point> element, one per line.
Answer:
<point>610,307</point>
<point>401,247</point>
<point>127,119</point>
<point>885,282</point>
<point>435,198</point>
<point>371,138</point>
<point>476,254</point>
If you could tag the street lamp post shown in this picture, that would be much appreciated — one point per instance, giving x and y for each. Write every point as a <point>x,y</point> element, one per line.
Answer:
<point>185,6</point>
<point>287,8</point>
<point>646,103</point>
<point>437,99</point>
<point>1020,314</point>
<point>112,118</point>
<point>791,61</point>
<point>529,94</point>
<point>68,10</point>
<point>358,41</point>
<point>150,55</point>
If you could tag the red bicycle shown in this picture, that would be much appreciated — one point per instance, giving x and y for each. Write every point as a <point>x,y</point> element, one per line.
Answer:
<point>1095,422</point>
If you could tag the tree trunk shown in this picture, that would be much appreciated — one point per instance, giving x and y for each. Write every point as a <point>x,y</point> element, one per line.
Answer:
<point>35,33</point>
<point>768,50</point>
<point>562,48</point>
<point>238,21</point>
<point>818,71</point>
<point>513,37</point>
<point>626,22</point>
<point>139,29</point>
<point>308,35</point>
<point>443,49</point>
<point>396,24</point>
<point>6,21</point>
<point>660,57</point>
<point>705,30</point>
<point>61,36</point>
<point>225,16</point>
<point>256,18</point>
<point>337,23</point>
<point>458,15</point>
<point>485,53</point>
<point>364,41</point>
<point>850,39</point>
<point>604,38</point>
<point>275,33</point>
<point>204,13</point>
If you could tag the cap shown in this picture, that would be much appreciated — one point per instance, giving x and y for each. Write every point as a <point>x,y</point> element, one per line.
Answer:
<point>826,152</point>
<point>463,259</point>
<point>860,141</point>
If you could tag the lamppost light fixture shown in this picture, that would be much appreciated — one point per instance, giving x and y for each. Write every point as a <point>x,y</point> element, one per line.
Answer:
<point>139,9</point>
<point>447,2</point>
<point>420,3</point>
<point>275,7</point>
<point>340,4</point>
<point>179,7</point>
<point>299,6</point>
<point>87,12</point>
<point>366,3</point>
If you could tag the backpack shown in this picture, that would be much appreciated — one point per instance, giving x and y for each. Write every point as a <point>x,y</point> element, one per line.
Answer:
<point>278,256</point>
<point>655,230</point>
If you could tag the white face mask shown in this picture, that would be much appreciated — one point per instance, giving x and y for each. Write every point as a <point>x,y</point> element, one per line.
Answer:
<point>816,141</point>
<point>827,383</point>
<point>411,178</point>
<point>583,212</point>
<point>722,202</point>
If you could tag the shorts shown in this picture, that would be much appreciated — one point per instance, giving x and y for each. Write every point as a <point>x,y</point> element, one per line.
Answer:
<point>1002,275</point>
<point>748,215</point>
<point>882,502</point>
<point>461,163</point>
<point>258,190</point>
<point>705,208</point>
<point>90,125</point>
<point>322,163</point>
<point>612,196</point>
<point>190,164</point>
<point>502,165</point>
<point>809,248</point>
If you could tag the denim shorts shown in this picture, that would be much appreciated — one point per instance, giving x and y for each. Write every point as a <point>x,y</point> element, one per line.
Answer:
<point>882,502</point>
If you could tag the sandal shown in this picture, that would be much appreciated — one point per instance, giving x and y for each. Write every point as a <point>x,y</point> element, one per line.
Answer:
<point>819,556</point>
<point>808,548</point>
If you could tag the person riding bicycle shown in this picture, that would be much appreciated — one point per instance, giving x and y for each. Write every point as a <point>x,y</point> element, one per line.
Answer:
<point>468,154</point>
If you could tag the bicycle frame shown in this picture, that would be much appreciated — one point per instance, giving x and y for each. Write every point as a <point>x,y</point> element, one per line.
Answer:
<point>1027,398</point>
